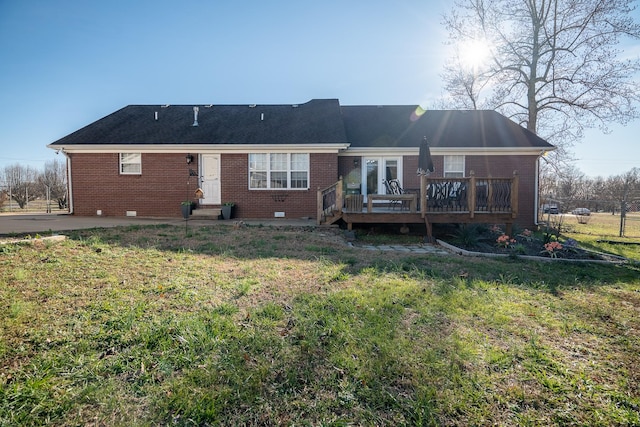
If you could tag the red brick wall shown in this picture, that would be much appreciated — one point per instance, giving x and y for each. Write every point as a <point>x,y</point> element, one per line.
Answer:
<point>165,183</point>
<point>158,191</point>
<point>234,182</point>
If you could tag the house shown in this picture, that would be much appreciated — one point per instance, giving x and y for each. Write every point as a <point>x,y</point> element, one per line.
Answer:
<point>271,160</point>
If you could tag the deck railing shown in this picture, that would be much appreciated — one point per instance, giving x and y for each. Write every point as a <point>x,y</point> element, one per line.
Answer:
<point>468,196</point>
<point>471,194</point>
<point>329,201</point>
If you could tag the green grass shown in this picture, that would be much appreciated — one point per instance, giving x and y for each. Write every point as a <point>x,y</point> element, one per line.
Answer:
<point>604,226</point>
<point>279,326</point>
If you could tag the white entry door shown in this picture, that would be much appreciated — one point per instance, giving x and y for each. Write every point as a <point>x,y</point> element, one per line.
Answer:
<point>210,179</point>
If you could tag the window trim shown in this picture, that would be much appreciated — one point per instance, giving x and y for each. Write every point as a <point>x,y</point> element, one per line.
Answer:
<point>122,164</point>
<point>289,171</point>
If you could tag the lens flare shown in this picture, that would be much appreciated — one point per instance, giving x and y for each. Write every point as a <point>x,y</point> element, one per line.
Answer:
<point>419,111</point>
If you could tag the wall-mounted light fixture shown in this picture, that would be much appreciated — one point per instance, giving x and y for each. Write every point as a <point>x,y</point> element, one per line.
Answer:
<point>189,159</point>
<point>356,162</point>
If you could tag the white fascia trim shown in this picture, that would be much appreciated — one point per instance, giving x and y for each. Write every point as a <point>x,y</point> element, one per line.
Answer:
<point>413,151</point>
<point>201,148</point>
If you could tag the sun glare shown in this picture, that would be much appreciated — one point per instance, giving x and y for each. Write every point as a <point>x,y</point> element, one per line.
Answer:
<point>474,53</point>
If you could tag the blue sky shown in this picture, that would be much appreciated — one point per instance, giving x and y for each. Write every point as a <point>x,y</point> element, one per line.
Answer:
<point>67,63</point>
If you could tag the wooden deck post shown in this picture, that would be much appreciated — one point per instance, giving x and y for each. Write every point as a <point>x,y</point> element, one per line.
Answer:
<point>471,194</point>
<point>319,206</point>
<point>339,195</point>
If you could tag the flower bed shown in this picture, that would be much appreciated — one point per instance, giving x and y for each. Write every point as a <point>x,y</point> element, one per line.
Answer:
<point>493,240</point>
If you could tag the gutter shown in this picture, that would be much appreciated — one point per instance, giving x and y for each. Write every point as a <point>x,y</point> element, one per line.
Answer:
<point>203,148</point>
<point>537,186</point>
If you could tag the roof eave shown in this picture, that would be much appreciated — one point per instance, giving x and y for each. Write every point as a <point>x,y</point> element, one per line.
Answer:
<point>446,151</point>
<point>198,148</point>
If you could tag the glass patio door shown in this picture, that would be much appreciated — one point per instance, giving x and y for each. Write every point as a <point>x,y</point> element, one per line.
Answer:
<point>378,169</point>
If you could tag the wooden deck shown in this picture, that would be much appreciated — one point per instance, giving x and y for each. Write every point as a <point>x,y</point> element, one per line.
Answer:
<point>439,200</point>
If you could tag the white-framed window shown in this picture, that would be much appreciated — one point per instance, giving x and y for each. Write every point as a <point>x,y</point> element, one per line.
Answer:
<point>279,171</point>
<point>130,163</point>
<point>453,166</point>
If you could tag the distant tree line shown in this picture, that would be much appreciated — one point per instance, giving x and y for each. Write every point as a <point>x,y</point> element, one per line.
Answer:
<point>571,189</point>
<point>23,184</point>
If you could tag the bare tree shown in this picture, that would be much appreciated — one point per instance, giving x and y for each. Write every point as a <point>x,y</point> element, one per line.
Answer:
<point>54,180</point>
<point>463,84</point>
<point>4,197</point>
<point>630,187</point>
<point>553,65</point>
<point>572,187</point>
<point>596,189</point>
<point>21,184</point>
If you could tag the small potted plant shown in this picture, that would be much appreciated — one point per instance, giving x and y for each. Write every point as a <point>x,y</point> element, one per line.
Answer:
<point>186,207</point>
<point>227,210</point>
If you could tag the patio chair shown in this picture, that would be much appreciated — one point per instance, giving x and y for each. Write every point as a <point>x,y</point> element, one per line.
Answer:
<point>394,184</point>
<point>394,187</point>
<point>387,187</point>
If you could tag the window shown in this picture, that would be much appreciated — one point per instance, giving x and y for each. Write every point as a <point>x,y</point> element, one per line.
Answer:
<point>130,163</point>
<point>279,170</point>
<point>453,166</point>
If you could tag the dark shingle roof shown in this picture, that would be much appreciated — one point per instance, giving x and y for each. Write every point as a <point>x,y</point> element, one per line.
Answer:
<point>321,121</point>
<point>317,121</point>
<point>400,126</point>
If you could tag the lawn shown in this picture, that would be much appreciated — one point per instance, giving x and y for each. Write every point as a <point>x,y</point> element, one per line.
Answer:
<point>142,326</point>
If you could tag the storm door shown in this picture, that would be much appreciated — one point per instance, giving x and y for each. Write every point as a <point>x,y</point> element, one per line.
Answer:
<point>210,179</point>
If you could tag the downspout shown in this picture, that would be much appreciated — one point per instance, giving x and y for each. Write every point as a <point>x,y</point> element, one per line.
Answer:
<point>537,192</point>
<point>69,182</point>
<point>536,204</point>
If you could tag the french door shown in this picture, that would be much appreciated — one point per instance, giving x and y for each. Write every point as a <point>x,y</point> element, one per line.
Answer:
<point>378,169</point>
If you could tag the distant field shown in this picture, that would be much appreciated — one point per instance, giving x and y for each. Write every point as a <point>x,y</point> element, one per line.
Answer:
<point>35,206</point>
<point>603,224</point>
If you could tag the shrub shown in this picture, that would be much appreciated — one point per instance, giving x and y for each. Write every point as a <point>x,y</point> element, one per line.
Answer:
<point>466,235</point>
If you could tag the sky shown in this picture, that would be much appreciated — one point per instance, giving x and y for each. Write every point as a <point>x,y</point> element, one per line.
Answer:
<point>67,63</point>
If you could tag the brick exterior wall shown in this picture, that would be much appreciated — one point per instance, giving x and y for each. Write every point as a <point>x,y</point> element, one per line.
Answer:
<point>158,191</point>
<point>165,183</point>
<point>234,182</point>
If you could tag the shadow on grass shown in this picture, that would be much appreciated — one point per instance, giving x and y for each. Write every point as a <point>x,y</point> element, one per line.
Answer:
<point>311,244</point>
